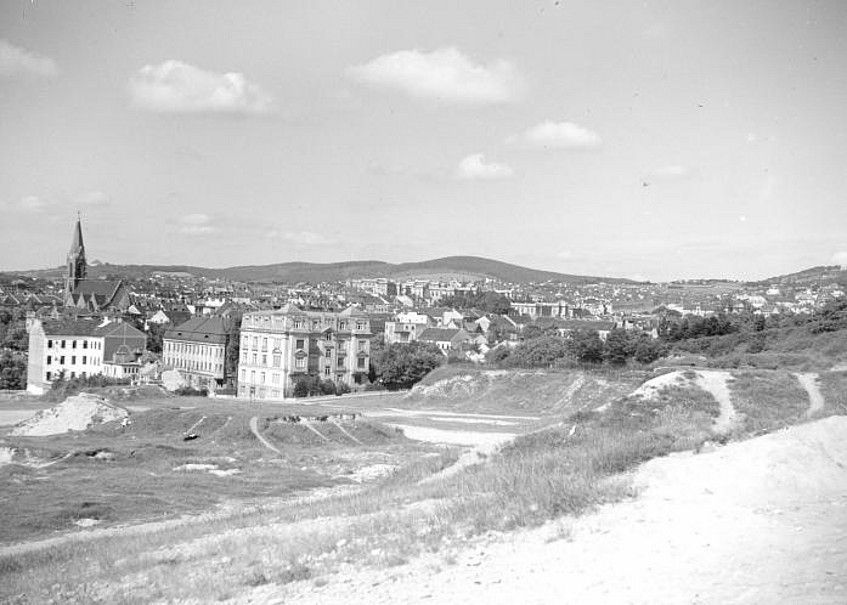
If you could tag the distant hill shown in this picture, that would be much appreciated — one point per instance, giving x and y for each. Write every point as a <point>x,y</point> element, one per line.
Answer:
<point>822,275</point>
<point>469,267</point>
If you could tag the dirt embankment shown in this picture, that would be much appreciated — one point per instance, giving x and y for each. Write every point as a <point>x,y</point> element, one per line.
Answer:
<point>759,521</point>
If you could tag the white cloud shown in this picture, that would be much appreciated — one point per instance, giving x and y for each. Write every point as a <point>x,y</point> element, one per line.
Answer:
<point>562,135</point>
<point>15,60</point>
<point>306,238</point>
<point>197,224</point>
<point>92,199</point>
<point>840,258</point>
<point>33,204</point>
<point>474,167</point>
<point>671,172</point>
<point>445,74</point>
<point>176,87</point>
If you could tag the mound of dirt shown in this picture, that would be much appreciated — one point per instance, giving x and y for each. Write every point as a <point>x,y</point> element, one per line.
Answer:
<point>75,413</point>
<point>536,391</point>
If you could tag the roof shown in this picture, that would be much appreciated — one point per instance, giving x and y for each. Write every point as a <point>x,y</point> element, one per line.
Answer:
<point>211,330</point>
<point>76,243</point>
<point>439,334</point>
<point>100,287</point>
<point>89,327</point>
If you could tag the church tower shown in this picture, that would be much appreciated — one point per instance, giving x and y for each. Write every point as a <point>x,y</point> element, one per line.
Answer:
<point>76,260</point>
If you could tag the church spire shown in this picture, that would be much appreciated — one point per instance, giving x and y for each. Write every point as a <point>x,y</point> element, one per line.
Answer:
<point>76,259</point>
<point>77,245</point>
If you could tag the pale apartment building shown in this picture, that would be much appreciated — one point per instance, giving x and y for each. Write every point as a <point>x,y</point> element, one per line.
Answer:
<point>279,345</point>
<point>197,349</point>
<point>78,348</point>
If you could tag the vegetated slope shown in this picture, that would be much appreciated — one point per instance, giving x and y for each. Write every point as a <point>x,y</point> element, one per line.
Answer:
<point>534,391</point>
<point>294,272</point>
<point>823,274</point>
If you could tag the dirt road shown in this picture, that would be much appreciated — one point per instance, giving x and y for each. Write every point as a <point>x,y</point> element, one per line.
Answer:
<point>760,521</point>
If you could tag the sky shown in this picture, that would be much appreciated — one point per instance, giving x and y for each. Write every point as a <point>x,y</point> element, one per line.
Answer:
<point>651,140</point>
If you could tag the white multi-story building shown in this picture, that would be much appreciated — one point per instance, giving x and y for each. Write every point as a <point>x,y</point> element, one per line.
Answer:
<point>277,346</point>
<point>197,349</point>
<point>77,349</point>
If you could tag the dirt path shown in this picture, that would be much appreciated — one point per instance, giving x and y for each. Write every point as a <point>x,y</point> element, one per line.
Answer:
<point>760,521</point>
<point>254,428</point>
<point>809,381</point>
<point>715,383</point>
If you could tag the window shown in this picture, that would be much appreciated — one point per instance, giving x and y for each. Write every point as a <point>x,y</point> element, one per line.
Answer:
<point>73,374</point>
<point>243,374</point>
<point>277,361</point>
<point>49,360</point>
<point>84,344</point>
<point>264,360</point>
<point>62,360</point>
<point>73,344</point>
<point>84,360</point>
<point>255,342</point>
<point>360,325</point>
<point>47,376</point>
<point>263,378</point>
<point>298,323</point>
<point>342,344</point>
<point>243,356</point>
<point>49,344</point>
<point>63,344</point>
<point>255,358</point>
<point>328,336</point>
<point>253,376</point>
<point>264,344</point>
<point>245,341</point>
<point>300,363</point>
<point>341,362</point>
<point>342,325</point>
<point>275,378</point>
<point>327,371</point>
<point>360,363</point>
<point>363,345</point>
<point>300,343</point>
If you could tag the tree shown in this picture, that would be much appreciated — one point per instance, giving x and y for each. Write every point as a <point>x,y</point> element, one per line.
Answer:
<point>618,347</point>
<point>540,352</point>
<point>155,334</point>
<point>585,345</point>
<point>648,350</point>
<point>12,371</point>
<point>401,365</point>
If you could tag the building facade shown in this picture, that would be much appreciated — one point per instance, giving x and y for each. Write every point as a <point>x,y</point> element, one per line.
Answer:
<point>278,346</point>
<point>197,348</point>
<point>77,348</point>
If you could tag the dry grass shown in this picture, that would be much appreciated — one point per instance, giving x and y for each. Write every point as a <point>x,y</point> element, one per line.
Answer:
<point>833,386</point>
<point>768,400</point>
<point>566,469</point>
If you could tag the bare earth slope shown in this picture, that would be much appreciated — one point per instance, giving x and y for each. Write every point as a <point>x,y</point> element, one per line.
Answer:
<point>759,521</point>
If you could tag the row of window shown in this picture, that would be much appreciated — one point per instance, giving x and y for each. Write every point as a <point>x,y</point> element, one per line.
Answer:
<point>300,323</point>
<point>61,360</point>
<point>299,344</point>
<point>200,365</point>
<point>48,376</point>
<point>197,350</point>
<point>62,344</point>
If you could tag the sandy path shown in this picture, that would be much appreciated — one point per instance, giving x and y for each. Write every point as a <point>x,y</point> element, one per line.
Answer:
<point>716,384</point>
<point>809,381</point>
<point>254,428</point>
<point>761,521</point>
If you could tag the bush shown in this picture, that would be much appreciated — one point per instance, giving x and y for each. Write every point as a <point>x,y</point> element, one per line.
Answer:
<point>342,388</point>
<point>327,387</point>
<point>191,392</point>
<point>63,388</point>
<point>400,366</point>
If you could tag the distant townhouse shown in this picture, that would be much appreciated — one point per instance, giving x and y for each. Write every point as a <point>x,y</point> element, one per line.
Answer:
<point>197,349</point>
<point>279,345</point>
<point>79,348</point>
<point>406,327</point>
<point>446,339</point>
<point>535,309</point>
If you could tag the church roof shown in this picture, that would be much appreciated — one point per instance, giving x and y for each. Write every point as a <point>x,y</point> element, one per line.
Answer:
<point>77,243</point>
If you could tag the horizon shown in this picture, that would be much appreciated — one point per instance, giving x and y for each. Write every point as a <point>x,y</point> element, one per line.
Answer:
<point>655,143</point>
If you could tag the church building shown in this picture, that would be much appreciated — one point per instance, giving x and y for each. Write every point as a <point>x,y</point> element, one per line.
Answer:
<point>90,295</point>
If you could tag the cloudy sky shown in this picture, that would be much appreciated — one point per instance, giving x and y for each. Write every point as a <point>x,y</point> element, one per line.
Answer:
<point>652,139</point>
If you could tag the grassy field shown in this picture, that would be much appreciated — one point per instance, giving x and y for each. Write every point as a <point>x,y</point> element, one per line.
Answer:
<point>567,468</point>
<point>147,471</point>
<point>767,400</point>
